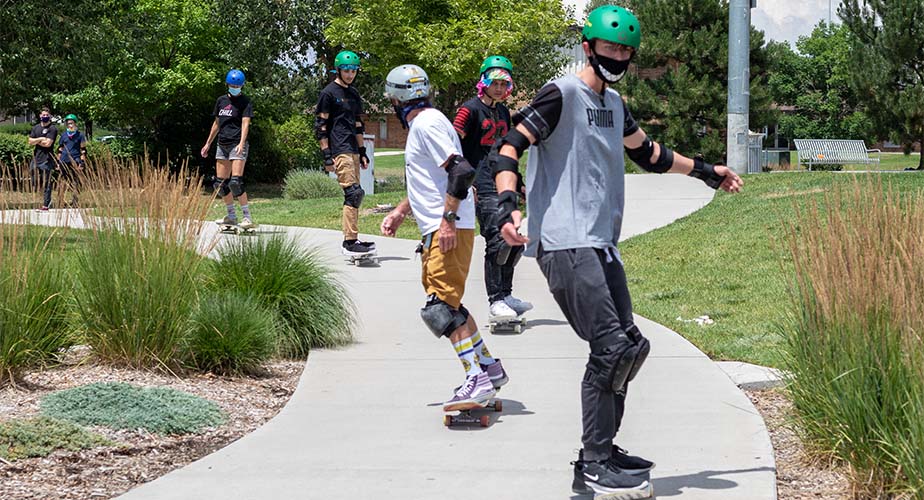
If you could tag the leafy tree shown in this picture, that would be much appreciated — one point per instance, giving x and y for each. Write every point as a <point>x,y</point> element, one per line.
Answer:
<point>817,82</point>
<point>450,39</point>
<point>887,65</point>
<point>45,49</point>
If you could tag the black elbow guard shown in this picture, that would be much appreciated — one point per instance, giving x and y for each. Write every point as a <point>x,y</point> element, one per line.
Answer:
<point>461,176</point>
<point>642,157</point>
<point>361,128</point>
<point>320,128</point>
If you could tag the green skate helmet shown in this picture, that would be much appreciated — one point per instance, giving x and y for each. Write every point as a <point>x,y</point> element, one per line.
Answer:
<point>614,24</point>
<point>496,62</point>
<point>71,116</point>
<point>346,60</point>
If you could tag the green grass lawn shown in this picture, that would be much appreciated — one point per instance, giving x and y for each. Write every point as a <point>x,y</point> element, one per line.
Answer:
<point>729,261</point>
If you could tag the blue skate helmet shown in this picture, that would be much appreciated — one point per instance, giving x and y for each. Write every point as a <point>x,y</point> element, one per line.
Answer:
<point>235,77</point>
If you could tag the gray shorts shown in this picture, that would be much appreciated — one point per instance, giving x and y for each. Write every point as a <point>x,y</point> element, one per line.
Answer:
<point>228,153</point>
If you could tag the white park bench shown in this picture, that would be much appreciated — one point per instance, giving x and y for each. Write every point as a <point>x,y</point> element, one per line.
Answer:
<point>834,151</point>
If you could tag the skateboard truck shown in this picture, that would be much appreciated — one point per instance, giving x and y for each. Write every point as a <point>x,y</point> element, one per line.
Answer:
<point>465,415</point>
<point>514,325</point>
<point>369,259</point>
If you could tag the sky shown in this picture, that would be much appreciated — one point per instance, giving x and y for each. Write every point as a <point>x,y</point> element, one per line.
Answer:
<point>779,19</point>
<point>786,20</point>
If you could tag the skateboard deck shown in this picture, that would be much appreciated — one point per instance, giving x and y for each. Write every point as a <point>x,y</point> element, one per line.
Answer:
<point>465,415</point>
<point>369,259</point>
<point>642,494</point>
<point>235,229</point>
<point>514,325</point>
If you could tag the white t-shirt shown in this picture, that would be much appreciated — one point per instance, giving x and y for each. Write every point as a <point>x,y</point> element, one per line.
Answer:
<point>431,140</point>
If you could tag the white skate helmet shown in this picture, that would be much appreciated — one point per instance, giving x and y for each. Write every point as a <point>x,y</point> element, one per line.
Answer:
<point>406,83</point>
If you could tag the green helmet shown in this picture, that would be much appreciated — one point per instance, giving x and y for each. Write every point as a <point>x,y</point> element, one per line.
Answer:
<point>71,116</point>
<point>496,62</point>
<point>346,58</point>
<point>613,24</point>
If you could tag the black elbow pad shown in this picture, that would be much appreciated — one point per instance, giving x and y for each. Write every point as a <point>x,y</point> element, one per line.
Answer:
<point>320,128</point>
<point>642,157</point>
<point>461,177</point>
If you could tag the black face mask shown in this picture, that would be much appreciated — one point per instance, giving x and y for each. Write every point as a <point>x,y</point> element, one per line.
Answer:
<point>609,70</point>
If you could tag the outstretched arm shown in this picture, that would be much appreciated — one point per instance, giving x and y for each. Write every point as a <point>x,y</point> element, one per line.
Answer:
<point>654,157</point>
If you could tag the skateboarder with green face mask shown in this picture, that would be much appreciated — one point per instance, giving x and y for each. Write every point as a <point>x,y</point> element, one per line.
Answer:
<point>577,129</point>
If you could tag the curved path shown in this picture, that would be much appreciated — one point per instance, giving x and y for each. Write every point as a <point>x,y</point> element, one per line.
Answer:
<point>365,421</point>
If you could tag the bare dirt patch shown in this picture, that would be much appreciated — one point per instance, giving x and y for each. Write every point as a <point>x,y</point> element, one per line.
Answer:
<point>139,457</point>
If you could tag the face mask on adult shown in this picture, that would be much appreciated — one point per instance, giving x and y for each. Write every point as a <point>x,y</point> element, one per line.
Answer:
<point>45,119</point>
<point>608,69</point>
<point>234,90</point>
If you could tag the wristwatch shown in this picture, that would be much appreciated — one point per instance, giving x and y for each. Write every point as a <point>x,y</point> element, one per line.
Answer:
<point>451,216</point>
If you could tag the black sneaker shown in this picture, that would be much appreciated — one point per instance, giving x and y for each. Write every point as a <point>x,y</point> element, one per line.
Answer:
<point>629,464</point>
<point>601,479</point>
<point>354,247</point>
<point>368,244</point>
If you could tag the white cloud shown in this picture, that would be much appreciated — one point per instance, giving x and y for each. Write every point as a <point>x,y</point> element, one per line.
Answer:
<point>787,20</point>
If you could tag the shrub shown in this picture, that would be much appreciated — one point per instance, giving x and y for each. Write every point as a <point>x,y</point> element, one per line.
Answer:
<point>138,276</point>
<point>309,185</point>
<point>232,333</point>
<point>853,339</point>
<point>124,406</point>
<point>315,310</point>
<point>276,149</point>
<point>34,291</point>
<point>14,149</point>
<point>38,437</point>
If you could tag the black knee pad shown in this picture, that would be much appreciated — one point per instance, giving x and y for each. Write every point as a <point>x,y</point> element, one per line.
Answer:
<point>236,185</point>
<point>221,185</point>
<point>441,318</point>
<point>643,348</point>
<point>611,360</point>
<point>353,196</point>
<point>509,255</point>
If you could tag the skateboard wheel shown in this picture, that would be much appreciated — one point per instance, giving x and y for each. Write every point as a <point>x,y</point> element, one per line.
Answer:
<point>484,420</point>
<point>447,420</point>
<point>498,406</point>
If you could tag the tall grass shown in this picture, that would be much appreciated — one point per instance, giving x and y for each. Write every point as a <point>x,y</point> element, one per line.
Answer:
<point>139,275</point>
<point>315,309</point>
<point>232,333</point>
<point>853,340</point>
<point>33,289</point>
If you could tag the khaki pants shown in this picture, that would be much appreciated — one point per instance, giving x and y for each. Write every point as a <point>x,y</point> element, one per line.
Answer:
<point>444,274</point>
<point>347,169</point>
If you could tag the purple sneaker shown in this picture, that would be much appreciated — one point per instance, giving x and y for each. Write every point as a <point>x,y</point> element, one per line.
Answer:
<point>474,393</point>
<point>496,373</point>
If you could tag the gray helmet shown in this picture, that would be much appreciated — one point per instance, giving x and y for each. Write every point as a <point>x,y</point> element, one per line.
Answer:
<point>407,83</point>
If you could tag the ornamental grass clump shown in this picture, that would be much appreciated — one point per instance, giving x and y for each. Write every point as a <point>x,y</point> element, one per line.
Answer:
<point>853,341</point>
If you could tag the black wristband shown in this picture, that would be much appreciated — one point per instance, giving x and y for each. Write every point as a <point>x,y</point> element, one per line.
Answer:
<point>362,153</point>
<point>706,172</point>
<point>328,156</point>
<point>507,203</point>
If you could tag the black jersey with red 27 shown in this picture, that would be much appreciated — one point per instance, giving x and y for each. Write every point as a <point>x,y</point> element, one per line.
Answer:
<point>479,126</point>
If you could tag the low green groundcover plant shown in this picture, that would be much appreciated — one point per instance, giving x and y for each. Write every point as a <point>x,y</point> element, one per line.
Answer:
<point>38,437</point>
<point>305,184</point>
<point>231,333</point>
<point>124,406</point>
<point>314,308</point>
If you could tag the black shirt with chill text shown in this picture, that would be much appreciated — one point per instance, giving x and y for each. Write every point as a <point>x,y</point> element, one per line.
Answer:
<point>230,112</point>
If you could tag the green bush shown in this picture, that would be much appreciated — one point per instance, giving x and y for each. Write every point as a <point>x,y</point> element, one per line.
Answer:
<point>315,310</point>
<point>390,184</point>
<point>124,406</point>
<point>852,342</point>
<point>38,437</point>
<point>309,185</point>
<point>135,296</point>
<point>33,307</point>
<point>14,149</point>
<point>276,149</point>
<point>232,333</point>
<point>17,129</point>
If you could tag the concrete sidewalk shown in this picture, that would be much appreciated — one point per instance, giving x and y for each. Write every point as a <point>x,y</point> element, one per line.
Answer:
<point>366,422</point>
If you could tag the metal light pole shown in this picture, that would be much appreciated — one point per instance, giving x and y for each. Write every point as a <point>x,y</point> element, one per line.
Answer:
<point>739,78</point>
